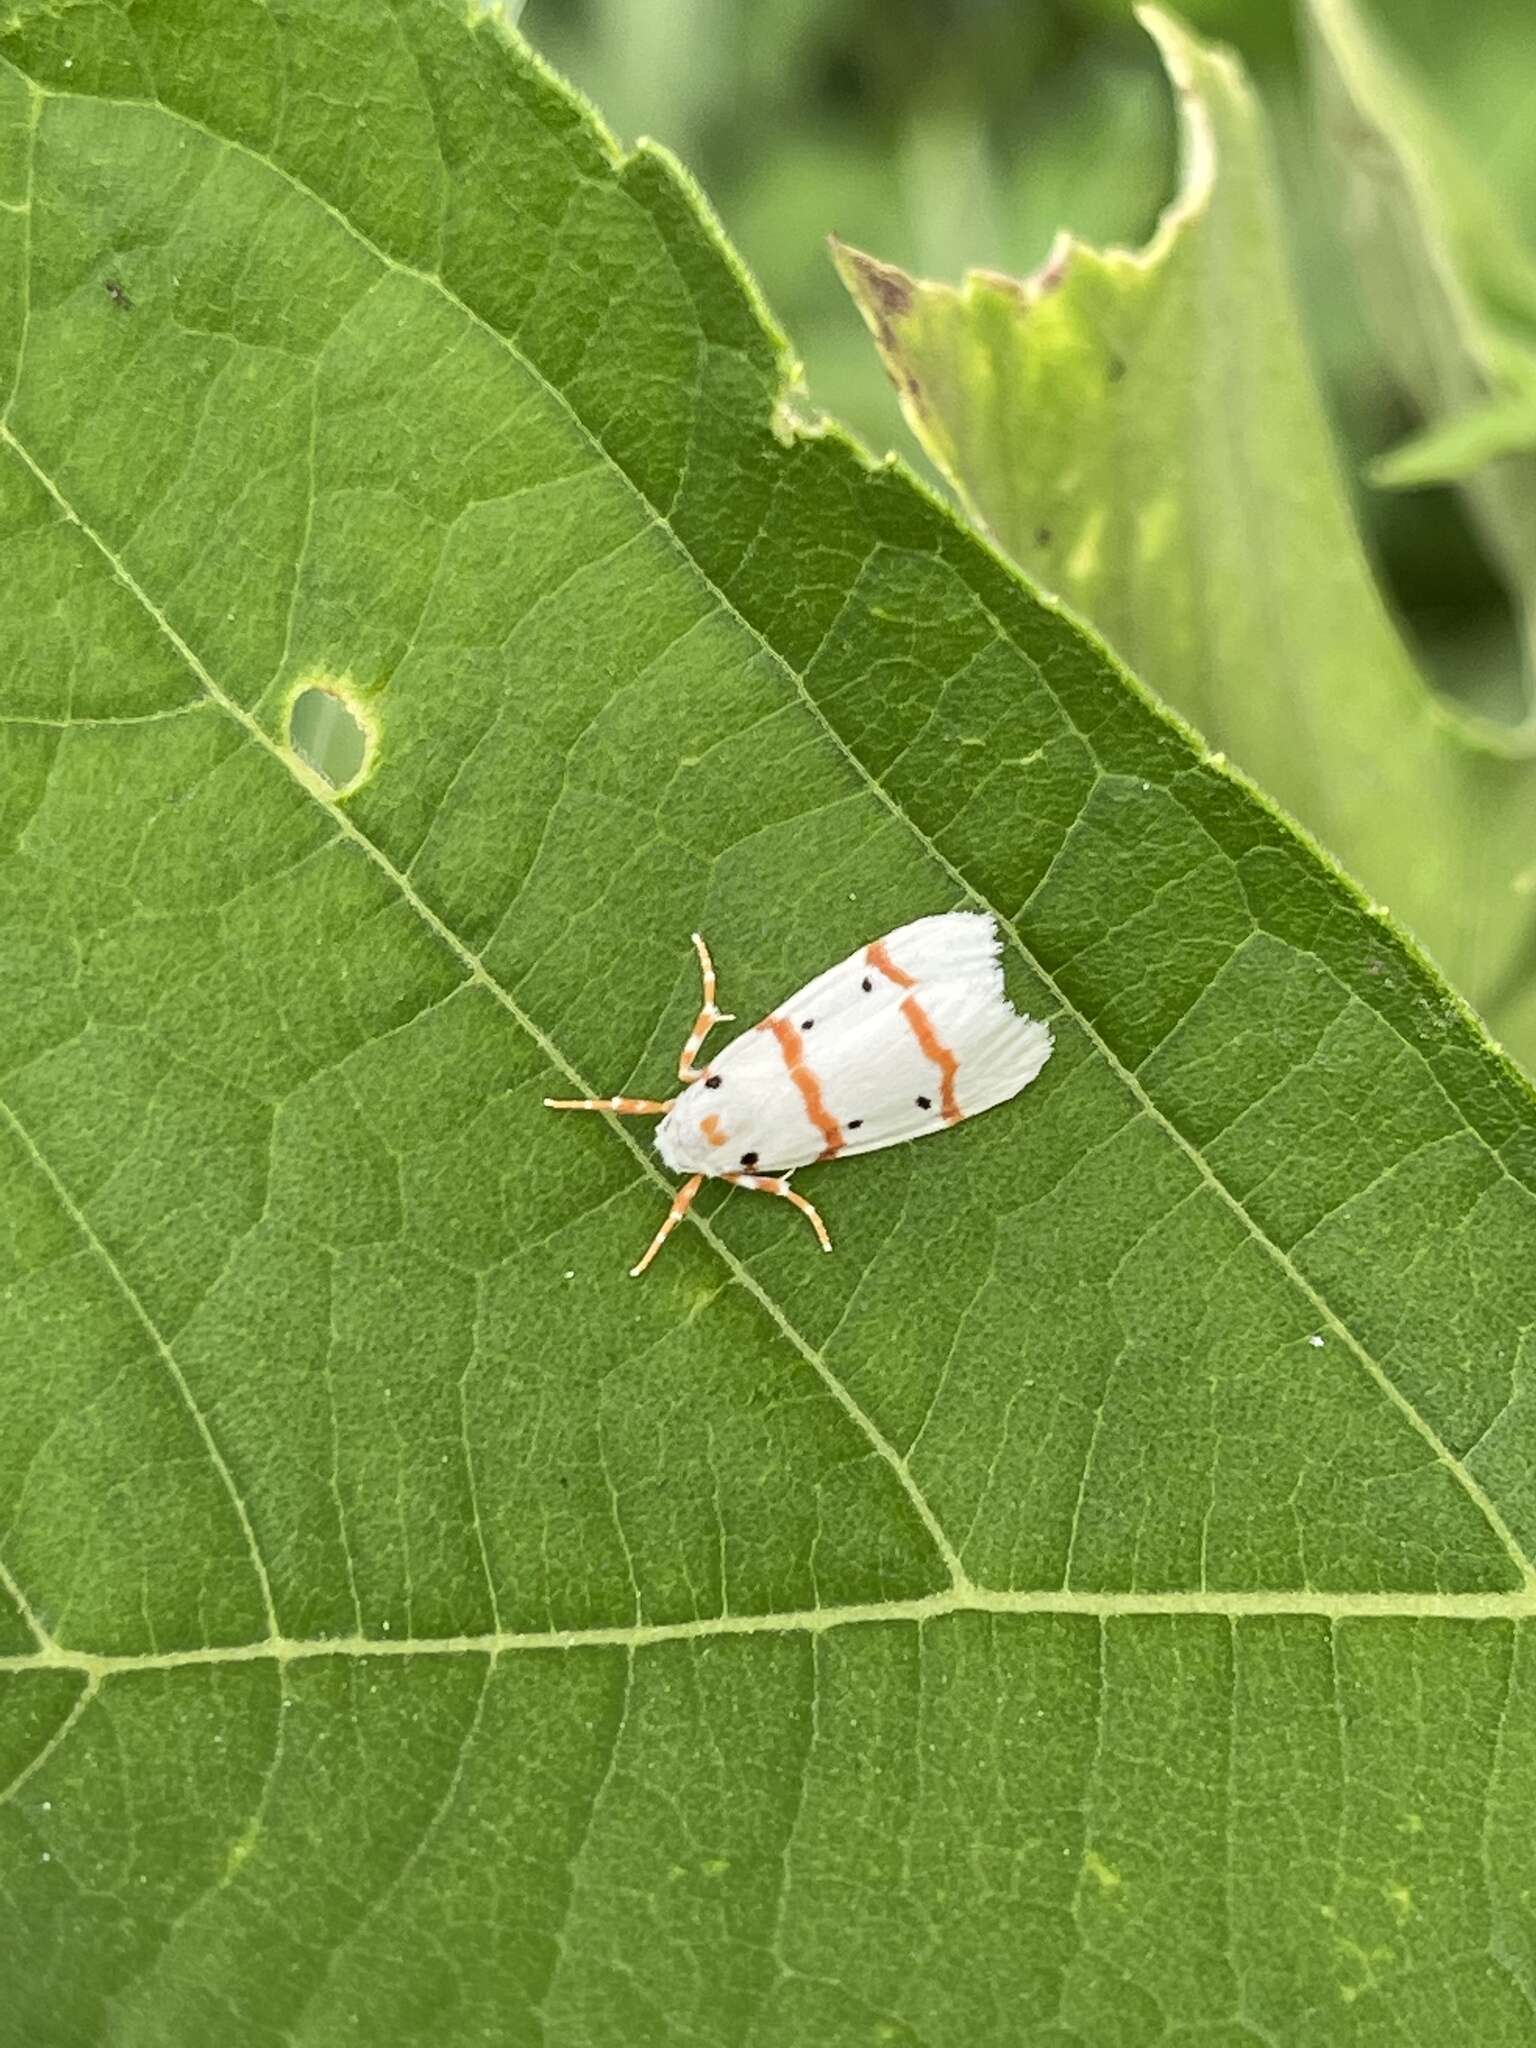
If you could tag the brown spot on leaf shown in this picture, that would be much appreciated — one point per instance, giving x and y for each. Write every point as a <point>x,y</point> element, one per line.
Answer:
<point>887,287</point>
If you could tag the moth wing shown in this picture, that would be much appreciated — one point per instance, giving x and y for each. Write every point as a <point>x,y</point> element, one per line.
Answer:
<point>850,1012</point>
<point>942,1044</point>
<point>902,1038</point>
<point>751,1060</point>
<point>997,1052</point>
<point>876,1076</point>
<point>830,997</point>
<point>957,945</point>
<point>760,1107</point>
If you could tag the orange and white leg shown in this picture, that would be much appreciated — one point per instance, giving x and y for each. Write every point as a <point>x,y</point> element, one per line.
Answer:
<point>774,1184</point>
<point>616,1105</point>
<point>708,1015</point>
<point>682,1202</point>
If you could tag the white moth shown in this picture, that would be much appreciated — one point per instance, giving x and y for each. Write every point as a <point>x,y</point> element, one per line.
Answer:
<point>903,1037</point>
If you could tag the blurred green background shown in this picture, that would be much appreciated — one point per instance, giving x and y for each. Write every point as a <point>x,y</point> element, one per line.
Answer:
<point>947,134</point>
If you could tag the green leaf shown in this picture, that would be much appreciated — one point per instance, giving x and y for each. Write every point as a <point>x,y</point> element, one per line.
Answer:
<point>1459,447</point>
<point>1140,430</point>
<point>1095,1604</point>
<point>1452,288</point>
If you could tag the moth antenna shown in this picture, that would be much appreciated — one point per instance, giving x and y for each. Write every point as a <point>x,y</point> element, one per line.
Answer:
<point>709,1013</point>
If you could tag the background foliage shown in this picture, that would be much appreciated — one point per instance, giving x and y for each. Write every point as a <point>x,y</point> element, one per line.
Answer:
<point>950,134</point>
<point>1140,431</point>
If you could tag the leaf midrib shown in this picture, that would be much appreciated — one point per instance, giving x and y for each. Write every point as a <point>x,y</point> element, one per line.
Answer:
<point>959,1579</point>
<point>1229,1606</point>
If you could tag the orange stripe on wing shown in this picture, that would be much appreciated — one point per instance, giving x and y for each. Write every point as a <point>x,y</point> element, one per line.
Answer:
<point>935,1049</point>
<point>792,1045</point>
<point>878,957</point>
<point>932,1045</point>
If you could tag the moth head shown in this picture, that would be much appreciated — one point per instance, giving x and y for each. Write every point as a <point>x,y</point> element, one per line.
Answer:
<point>695,1134</point>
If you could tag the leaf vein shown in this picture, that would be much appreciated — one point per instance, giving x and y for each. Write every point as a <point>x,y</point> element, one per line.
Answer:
<point>163,1351</point>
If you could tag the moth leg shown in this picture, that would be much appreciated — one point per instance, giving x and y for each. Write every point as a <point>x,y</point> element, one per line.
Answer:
<point>682,1202</point>
<point>616,1105</point>
<point>708,1015</point>
<point>771,1184</point>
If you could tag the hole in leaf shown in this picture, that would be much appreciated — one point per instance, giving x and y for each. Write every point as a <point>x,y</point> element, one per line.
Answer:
<point>329,737</point>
